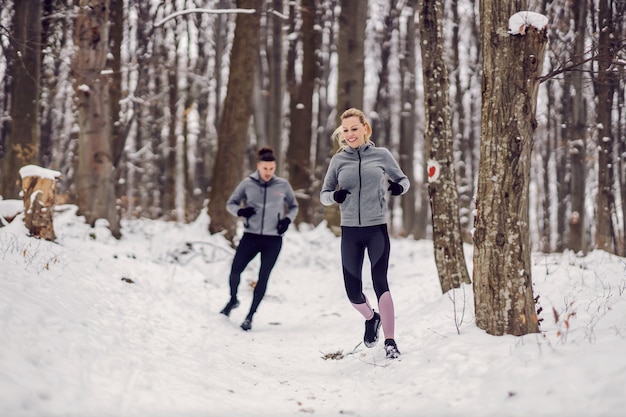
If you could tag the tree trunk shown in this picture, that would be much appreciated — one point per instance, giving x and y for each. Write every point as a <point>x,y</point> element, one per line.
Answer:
<point>605,89</point>
<point>351,54</point>
<point>326,19</point>
<point>118,134</point>
<point>96,172</point>
<point>39,194</point>
<point>503,292</point>
<point>460,124</point>
<point>381,117</point>
<point>577,139</point>
<point>170,188</point>
<point>276,82</point>
<point>22,144</point>
<point>447,239</point>
<point>545,151</point>
<point>118,137</point>
<point>408,121</point>
<point>350,74</point>
<point>301,109</point>
<point>233,125</point>
<point>49,83</point>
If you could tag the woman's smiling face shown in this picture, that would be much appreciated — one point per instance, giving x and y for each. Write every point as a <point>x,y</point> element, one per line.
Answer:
<point>353,131</point>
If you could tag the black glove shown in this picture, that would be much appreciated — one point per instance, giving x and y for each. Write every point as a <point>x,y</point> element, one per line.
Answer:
<point>340,195</point>
<point>283,224</point>
<point>246,212</point>
<point>395,188</point>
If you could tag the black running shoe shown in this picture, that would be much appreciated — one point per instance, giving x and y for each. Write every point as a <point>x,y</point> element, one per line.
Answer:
<point>371,330</point>
<point>247,324</point>
<point>391,349</point>
<point>229,306</point>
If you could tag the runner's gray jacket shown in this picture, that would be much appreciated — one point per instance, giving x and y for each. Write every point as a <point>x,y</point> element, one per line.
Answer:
<point>272,201</point>
<point>364,172</point>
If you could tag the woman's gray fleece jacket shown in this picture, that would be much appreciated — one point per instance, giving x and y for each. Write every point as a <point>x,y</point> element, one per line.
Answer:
<point>363,171</point>
<point>272,200</point>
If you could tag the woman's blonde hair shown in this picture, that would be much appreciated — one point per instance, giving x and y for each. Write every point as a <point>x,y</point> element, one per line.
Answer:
<point>338,133</point>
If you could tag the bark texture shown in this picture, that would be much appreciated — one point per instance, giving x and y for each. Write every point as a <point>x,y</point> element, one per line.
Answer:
<point>447,237</point>
<point>23,141</point>
<point>234,121</point>
<point>350,75</point>
<point>96,172</point>
<point>39,195</point>
<point>301,110</point>
<point>503,291</point>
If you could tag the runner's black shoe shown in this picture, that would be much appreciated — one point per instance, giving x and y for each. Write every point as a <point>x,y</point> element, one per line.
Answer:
<point>391,349</point>
<point>229,306</point>
<point>371,330</point>
<point>247,324</point>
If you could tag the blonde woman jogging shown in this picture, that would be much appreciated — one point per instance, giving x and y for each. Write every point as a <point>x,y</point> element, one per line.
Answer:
<point>358,178</point>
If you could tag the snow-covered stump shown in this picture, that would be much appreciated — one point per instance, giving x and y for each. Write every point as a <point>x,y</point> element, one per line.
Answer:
<point>39,194</point>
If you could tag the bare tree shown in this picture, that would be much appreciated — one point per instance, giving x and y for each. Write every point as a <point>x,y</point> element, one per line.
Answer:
<point>410,218</point>
<point>447,239</point>
<point>301,107</point>
<point>326,18</point>
<point>96,171</point>
<point>461,53</point>
<point>605,84</point>
<point>350,48</point>
<point>276,89</point>
<point>576,133</point>
<point>350,73</point>
<point>381,117</point>
<point>503,288</point>
<point>22,144</point>
<point>233,125</point>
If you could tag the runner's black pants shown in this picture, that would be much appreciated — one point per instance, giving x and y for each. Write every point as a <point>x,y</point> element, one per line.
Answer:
<point>250,246</point>
<point>354,242</point>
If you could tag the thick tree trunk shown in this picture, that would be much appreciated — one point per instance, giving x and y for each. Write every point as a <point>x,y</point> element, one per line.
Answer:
<point>233,125</point>
<point>447,238</point>
<point>350,74</point>
<point>96,172</point>
<point>577,146</point>
<point>503,289</point>
<point>301,109</point>
<point>22,144</point>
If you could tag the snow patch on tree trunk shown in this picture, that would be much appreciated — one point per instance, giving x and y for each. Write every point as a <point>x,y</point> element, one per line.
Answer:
<point>521,21</point>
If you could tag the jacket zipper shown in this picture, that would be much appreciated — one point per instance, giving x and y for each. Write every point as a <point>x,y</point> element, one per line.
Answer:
<point>264,200</point>
<point>358,152</point>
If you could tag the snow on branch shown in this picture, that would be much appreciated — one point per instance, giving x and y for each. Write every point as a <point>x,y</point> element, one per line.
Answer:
<point>521,21</point>
<point>190,11</point>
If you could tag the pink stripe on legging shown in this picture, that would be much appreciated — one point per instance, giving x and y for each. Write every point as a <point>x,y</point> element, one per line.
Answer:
<point>385,305</point>
<point>364,309</point>
<point>386,311</point>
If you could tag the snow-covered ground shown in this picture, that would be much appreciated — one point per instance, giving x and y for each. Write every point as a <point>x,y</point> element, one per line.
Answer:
<point>91,326</point>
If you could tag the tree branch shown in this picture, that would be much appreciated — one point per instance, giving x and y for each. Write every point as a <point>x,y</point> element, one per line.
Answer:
<point>190,11</point>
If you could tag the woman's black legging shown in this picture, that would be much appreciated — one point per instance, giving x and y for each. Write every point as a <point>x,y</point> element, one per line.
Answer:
<point>354,241</point>
<point>249,246</point>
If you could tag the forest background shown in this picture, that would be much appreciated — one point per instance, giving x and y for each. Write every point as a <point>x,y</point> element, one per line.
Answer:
<point>162,79</point>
